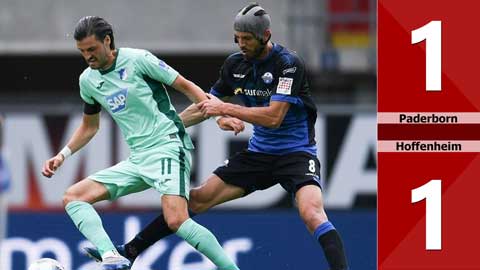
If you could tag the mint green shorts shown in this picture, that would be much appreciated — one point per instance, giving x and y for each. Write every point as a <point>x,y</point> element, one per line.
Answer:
<point>165,168</point>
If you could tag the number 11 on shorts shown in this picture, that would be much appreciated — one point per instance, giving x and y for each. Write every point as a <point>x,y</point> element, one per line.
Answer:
<point>432,193</point>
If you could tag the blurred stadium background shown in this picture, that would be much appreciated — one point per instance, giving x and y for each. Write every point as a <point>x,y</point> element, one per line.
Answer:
<point>40,102</point>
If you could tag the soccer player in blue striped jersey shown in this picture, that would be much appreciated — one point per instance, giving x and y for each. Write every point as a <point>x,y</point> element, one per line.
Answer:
<point>129,84</point>
<point>272,83</point>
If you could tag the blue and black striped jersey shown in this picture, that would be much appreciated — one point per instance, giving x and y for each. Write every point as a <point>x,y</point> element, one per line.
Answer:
<point>281,76</point>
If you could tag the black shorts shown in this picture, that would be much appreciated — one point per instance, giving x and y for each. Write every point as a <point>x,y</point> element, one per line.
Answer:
<point>257,171</point>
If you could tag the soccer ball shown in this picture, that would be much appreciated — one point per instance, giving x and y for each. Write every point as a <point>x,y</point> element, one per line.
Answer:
<point>46,264</point>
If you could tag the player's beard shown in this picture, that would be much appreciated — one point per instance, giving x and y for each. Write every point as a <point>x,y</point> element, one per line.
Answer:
<point>255,53</point>
<point>102,60</point>
<point>259,51</point>
<point>99,62</point>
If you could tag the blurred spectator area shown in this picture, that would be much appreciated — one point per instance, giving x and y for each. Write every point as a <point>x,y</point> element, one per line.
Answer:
<point>337,38</point>
<point>40,65</point>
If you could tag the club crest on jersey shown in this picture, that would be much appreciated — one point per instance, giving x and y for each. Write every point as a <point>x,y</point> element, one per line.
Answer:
<point>123,74</point>
<point>117,101</point>
<point>267,77</point>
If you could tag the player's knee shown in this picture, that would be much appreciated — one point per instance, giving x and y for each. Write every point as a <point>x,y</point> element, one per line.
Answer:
<point>313,216</point>
<point>195,204</point>
<point>74,195</point>
<point>69,196</point>
<point>197,207</point>
<point>174,222</point>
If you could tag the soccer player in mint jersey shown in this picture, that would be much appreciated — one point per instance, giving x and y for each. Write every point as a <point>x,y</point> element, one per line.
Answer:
<point>129,85</point>
<point>272,82</point>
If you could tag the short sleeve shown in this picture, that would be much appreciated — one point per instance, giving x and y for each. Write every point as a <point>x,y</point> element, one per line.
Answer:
<point>291,78</point>
<point>84,90</point>
<point>148,64</point>
<point>222,87</point>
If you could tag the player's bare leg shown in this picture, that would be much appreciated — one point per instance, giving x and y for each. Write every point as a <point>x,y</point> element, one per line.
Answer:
<point>214,191</point>
<point>177,219</point>
<point>310,207</point>
<point>78,200</point>
<point>175,211</point>
<point>86,190</point>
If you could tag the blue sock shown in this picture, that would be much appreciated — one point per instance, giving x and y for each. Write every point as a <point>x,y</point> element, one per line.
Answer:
<point>332,245</point>
<point>323,229</point>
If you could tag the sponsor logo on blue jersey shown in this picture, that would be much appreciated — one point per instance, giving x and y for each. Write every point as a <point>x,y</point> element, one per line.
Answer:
<point>253,92</point>
<point>117,101</point>
<point>238,91</point>
<point>257,92</point>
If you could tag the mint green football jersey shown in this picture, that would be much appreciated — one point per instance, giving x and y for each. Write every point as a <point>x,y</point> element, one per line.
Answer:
<point>132,91</point>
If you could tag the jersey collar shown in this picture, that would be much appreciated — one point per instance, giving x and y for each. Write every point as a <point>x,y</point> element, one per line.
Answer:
<point>103,72</point>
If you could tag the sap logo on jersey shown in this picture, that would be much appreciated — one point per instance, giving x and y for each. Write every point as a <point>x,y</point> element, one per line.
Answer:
<point>117,101</point>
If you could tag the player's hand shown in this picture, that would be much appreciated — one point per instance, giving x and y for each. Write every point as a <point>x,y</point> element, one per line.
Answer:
<point>231,123</point>
<point>213,97</point>
<point>212,106</point>
<point>52,165</point>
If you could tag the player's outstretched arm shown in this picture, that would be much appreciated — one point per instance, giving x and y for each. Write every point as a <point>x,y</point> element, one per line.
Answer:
<point>192,115</point>
<point>271,116</point>
<point>194,93</point>
<point>84,133</point>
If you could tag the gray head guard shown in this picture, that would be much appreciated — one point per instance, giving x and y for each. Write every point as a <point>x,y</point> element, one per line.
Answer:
<point>253,19</point>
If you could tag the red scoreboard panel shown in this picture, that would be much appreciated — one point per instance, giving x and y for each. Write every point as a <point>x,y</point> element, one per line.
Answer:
<point>428,134</point>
